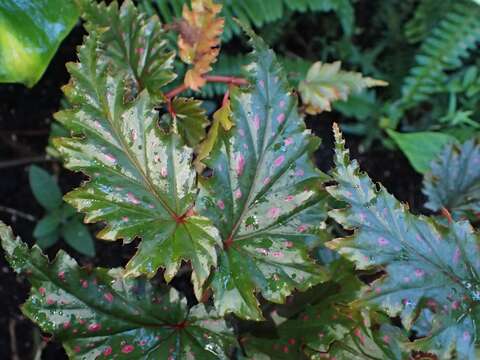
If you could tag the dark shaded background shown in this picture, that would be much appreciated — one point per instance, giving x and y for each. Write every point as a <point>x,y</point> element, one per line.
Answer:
<point>25,117</point>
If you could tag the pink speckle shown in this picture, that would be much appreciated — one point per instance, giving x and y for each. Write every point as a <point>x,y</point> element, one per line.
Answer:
<point>125,218</point>
<point>133,135</point>
<point>466,336</point>
<point>289,244</point>
<point>94,327</point>
<point>108,296</point>
<point>131,198</point>
<point>285,349</point>
<point>77,349</point>
<point>289,198</point>
<point>378,290</point>
<point>266,181</point>
<point>241,132</point>
<point>151,206</point>
<point>321,335</point>
<point>139,50</point>
<point>107,351</point>
<point>456,255</point>
<point>288,141</point>
<point>406,279</point>
<point>273,212</point>
<point>97,124</point>
<point>66,325</point>
<point>359,335</point>
<point>279,160</point>
<point>281,104</point>
<point>142,342</point>
<point>256,122</point>
<point>156,158</point>
<point>240,164</point>
<point>302,228</point>
<point>277,254</point>
<point>261,83</point>
<point>386,339</point>
<point>281,118</point>
<point>382,241</point>
<point>238,194</point>
<point>42,291</point>
<point>111,158</point>
<point>419,272</point>
<point>292,341</point>
<point>305,318</point>
<point>126,349</point>
<point>299,172</point>
<point>50,301</point>
<point>221,204</point>
<point>163,172</point>
<point>455,305</point>
<point>61,275</point>
<point>84,283</point>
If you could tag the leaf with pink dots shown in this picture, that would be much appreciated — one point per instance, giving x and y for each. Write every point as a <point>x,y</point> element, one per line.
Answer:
<point>141,179</point>
<point>428,265</point>
<point>264,194</point>
<point>97,314</point>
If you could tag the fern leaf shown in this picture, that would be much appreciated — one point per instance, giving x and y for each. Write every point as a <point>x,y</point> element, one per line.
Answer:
<point>454,179</point>
<point>427,265</point>
<point>451,41</point>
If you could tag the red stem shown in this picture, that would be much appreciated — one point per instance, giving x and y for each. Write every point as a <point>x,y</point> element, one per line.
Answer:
<point>209,78</point>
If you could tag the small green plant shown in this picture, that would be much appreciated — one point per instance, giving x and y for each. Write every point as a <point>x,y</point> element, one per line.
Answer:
<point>60,220</point>
<point>241,209</point>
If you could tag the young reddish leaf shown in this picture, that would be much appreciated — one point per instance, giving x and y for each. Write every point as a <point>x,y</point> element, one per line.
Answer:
<point>98,315</point>
<point>427,265</point>
<point>132,42</point>
<point>199,39</point>
<point>264,194</point>
<point>454,179</point>
<point>141,180</point>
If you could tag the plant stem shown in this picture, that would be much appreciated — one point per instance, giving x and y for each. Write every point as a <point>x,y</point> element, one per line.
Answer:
<point>209,78</point>
<point>18,213</point>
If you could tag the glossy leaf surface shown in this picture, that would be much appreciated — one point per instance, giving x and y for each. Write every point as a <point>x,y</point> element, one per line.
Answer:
<point>263,195</point>
<point>30,34</point>
<point>141,179</point>
<point>427,265</point>
<point>453,181</point>
<point>132,42</point>
<point>98,315</point>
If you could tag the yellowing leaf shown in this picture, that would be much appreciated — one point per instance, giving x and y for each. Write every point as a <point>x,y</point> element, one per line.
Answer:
<point>199,39</point>
<point>326,83</point>
<point>221,117</point>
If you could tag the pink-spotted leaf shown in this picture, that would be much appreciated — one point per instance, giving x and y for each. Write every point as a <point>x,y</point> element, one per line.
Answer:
<point>453,181</point>
<point>132,42</point>
<point>141,179</point>
<point>263,195</point>
<point>427,265</point>
<point>97,314</point>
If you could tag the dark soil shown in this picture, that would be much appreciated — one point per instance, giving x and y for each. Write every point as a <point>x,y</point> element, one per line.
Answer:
<point>25,116</point>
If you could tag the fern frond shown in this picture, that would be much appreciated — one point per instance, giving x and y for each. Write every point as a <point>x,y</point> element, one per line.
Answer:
<point>255,13</point>
<point>451,41</point>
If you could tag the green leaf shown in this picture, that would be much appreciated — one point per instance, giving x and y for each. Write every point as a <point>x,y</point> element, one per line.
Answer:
<point>263,195</point>
<point>427,265</point>
<point>190,120</point>
<point>78,237</point>
<point>453,181</point>
<point>48,240</point>
<point>421,147</point>
<point>44,188</point>
<point>47,225</point>
<point>30,34</point>
<point>98,314</point>
<point>326,83</point>
<point>141,179</point>
<point>133,43</point>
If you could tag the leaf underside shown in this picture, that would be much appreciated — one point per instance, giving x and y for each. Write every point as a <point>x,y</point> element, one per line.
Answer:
<point>427,265</point>
<point>263,195</point>
<point>97,314</point>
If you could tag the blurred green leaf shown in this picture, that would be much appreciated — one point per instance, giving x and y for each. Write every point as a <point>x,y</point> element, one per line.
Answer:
<point>421,147</point>
<point>44,188</point>
<point>48,240</point>
<point>78,237</point>
<point>47,225</point>
<point>30,34</point>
